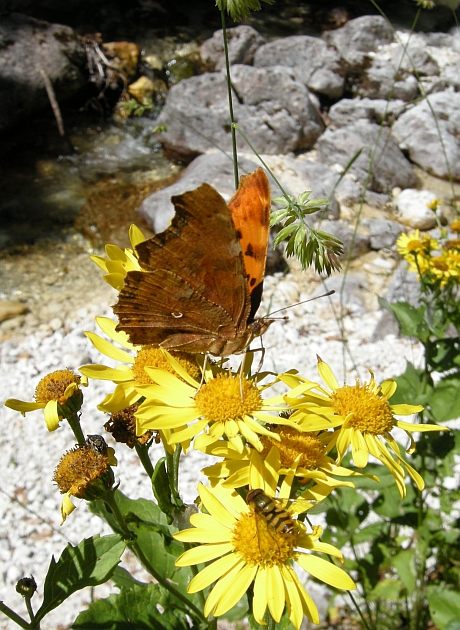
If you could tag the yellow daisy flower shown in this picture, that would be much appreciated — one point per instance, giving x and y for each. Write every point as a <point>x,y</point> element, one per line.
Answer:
<point>131,373</point>
<point>58,393</point>
<point>364,419</point>
<point>414,244</point>
<point>119,261</point>
<point>299,454</point>
<point>455,226</point>
<point>221,403</point>
<point>85,472</point>
<point>243,548</point>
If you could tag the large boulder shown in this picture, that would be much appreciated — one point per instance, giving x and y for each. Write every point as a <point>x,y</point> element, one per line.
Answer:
<point>29,49</point>
<point>270,105</point>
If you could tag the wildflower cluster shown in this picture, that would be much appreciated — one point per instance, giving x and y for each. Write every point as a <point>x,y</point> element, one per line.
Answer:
<point>274,456</point>
<point>436,261</point>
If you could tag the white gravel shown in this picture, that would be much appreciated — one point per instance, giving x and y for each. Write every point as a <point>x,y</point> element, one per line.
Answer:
<point>29,502</point>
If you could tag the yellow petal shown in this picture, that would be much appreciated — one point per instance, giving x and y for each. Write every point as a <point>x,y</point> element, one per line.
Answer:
<point>108,327</point>
<point>51,415</point>
<point>23,407</point>
<point>292,596</point>
<point>308,605</point>
<point>135,235</point>
<point>259,601</point>
<point>203,553</point>
<point>203,535</point>
<point>67,507</point>
<point>232,588</point>
<point>420,427</point>
<point>218,510</point>
<point>359,450</point>
<point>108,349</point>
<point>275,592</point>
<point>214,571</point>
<point>406,410</point>
<point>326,571</point>
<point>104,373</point>
<point>327,374</point>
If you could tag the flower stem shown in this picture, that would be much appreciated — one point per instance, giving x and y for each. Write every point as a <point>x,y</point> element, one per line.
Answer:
<point>74,423</point>
<point>229,92</point>
<point>143,454</point>
<point>110,501</point>
<point>18,620</point>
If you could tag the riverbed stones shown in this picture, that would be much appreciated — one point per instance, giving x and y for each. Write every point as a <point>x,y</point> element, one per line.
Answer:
<point>243,41</point>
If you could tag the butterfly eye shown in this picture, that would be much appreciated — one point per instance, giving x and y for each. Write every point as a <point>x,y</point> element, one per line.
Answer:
<point>177,315</point>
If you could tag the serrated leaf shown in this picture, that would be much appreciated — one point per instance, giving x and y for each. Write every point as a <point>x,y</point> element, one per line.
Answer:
<point>133,609</point>
<point>90,563</point>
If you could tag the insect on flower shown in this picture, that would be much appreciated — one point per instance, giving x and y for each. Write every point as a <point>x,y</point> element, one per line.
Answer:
<point>274,512</point>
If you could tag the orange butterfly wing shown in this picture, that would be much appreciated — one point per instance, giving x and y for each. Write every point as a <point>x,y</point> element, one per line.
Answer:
<point>250,210</point>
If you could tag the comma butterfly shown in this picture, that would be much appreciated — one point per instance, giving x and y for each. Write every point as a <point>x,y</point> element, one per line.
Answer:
<point>201,279</point>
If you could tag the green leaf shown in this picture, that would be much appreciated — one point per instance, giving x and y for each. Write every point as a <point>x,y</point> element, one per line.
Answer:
<point>411,389</point>
<point>123,579</point>
<point>411,319</point>
<point>388,589</point>
<point>404,563</point>
<point>444,606</point>
<point>90,563</point>
<point>445,401</point>
<point>133,609</point>
<point>162,490</point>
<point>445,354</point>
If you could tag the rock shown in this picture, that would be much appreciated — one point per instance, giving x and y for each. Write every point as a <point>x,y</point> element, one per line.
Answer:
<point>315,64</point>
<point>380,79</point>
<point>271,106</point>
<point>382,232</point>
<point>27,47</point>
<point>418,133</point>
<point>356,242</point>
<point>378,111</point>
<point>412,208</point>
<point>142,89</point>
<point>287,118</point>
<point>9,309</point>
<point>243,41</point>
<point>410,53</point>
<point>359,37</point>
<point>124,57</point>
<point>390,167</point>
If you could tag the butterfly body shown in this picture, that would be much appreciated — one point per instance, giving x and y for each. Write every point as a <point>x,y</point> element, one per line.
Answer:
<point>201,279</point>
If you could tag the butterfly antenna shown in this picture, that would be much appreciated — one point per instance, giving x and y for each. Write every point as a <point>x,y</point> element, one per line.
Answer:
<point>297,304</point>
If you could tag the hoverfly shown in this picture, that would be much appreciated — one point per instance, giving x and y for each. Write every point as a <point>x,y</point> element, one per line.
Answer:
<point>274,512</point>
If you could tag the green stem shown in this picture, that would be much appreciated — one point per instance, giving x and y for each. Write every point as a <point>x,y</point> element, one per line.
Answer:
<point>143,453</point>
<point>74,423</point>
<point>22,623</point>
<point>230,100</point>
<point>109,499</point>
<point>172,465</point>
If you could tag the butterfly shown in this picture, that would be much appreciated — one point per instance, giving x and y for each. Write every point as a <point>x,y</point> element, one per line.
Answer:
<point>201,279</point>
